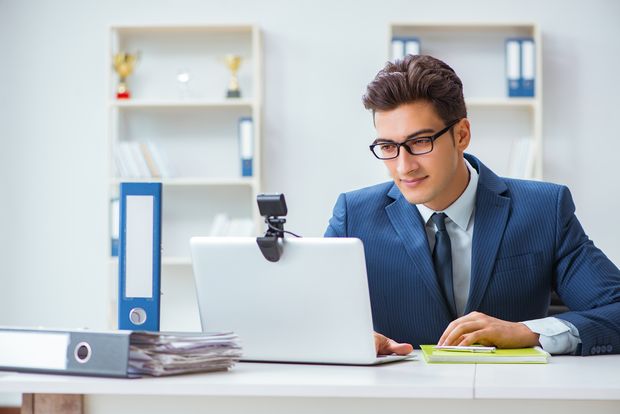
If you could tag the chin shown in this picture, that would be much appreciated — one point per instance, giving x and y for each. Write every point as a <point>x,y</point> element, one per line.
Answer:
<point>414,197</point>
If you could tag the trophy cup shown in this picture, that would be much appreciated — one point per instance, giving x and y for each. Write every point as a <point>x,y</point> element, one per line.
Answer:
<point>124,64</point>
<point>233,62</point>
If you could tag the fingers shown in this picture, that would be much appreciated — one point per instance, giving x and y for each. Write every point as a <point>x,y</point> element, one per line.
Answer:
<point>387,346</point>
<point>458,327</point>
<point>460,330</point>
<point>400,349</point>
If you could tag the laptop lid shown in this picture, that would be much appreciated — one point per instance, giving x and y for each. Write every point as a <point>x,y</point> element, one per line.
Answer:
<point>311,306</point>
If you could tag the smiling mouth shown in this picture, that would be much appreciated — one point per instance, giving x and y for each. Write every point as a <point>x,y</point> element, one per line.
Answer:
<point>413,181</point>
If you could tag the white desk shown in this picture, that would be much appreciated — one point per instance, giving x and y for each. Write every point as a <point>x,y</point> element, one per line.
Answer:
<point>569,384</point>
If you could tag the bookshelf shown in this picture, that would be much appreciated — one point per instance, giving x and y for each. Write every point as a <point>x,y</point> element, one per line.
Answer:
<point>501,125</point>
<point>192,127</point>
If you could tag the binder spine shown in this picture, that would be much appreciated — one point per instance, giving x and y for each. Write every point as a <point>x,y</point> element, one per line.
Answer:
<point>139,256</point>
<point>403,46</point>
<point>65,352</point>
<point>528,67</point>
<point>412,46</point>
<point>398,48</point>
<point>246,146</point>
<point>513,67</point>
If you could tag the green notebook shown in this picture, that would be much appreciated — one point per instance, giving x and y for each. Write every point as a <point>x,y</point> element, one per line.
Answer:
<point>500,356</point>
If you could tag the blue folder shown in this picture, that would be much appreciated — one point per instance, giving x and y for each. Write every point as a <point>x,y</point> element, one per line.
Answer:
<point>139,261</point>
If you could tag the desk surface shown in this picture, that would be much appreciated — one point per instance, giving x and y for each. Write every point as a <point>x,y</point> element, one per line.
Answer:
<point>579,378</point>
<point>564,378</point>
<point>406,379</point>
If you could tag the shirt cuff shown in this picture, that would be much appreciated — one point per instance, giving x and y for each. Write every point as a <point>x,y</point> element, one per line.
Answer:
<point>556,336</point>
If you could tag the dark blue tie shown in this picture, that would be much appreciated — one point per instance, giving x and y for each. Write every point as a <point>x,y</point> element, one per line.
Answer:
<point>442,258</point>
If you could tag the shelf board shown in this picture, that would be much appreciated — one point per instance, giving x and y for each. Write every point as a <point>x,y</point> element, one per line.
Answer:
<point>165,261</point>
<point>151,103</point>
<point>185,28</point>
<point>191,181</point>
<point>474,26</point>
<point>176,261</point>
<point>501,102</point>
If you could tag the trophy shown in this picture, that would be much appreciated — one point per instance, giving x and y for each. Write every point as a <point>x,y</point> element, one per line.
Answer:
<point>124,64</point>
<point>233,62</point>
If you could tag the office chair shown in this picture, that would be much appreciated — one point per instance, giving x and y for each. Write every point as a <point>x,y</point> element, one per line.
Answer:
<point>556,305</point>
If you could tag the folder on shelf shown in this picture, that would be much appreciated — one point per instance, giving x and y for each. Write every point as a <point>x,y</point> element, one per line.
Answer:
<point>246,145</point>
<point>398,48</point>
<point>139,262</point>
<point>115,353</point>
<point>114,225</point>
<point>528,67</point>
<point>403,46</point>
<point>520,66</point>
<point>513,66</point>
<point>412,46</point>
<point>500,356</point>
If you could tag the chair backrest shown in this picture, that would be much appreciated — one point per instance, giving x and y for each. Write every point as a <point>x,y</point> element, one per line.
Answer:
<point>556,305</point>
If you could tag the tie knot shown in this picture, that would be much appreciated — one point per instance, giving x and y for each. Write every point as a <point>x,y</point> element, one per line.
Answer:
<point>440,221</point>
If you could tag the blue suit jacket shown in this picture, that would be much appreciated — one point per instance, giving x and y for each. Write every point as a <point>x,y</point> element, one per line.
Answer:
<point>527,241</point>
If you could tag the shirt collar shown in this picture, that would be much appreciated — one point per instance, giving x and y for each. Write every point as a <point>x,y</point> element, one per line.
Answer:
<point>461,210</point>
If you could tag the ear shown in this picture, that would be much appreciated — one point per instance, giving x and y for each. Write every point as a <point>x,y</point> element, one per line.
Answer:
<point>462,134</point>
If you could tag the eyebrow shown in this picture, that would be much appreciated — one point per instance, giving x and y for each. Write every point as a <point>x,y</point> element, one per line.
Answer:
<point>422,131</point>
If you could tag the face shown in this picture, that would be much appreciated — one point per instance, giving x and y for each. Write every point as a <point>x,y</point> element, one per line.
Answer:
<point>435,179</point>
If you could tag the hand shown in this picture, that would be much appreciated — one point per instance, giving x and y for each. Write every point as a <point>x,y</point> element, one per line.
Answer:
<point>478,328</point>
<point>387,346</point>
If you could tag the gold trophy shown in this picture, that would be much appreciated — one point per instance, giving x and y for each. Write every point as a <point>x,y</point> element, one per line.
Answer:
<point>233,62</point>
<point>124,64</point>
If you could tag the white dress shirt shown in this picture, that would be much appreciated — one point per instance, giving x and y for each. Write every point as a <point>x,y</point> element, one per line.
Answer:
<point>556,336</point>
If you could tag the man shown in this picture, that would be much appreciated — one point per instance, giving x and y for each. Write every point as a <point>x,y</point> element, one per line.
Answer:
<point>457,255</point>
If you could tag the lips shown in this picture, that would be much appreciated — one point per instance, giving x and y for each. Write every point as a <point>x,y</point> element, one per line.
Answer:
<point>412,182</point>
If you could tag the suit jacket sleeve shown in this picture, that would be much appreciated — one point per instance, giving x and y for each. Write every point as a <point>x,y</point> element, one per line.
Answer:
<point>587,281</point>
<point>338,223</point>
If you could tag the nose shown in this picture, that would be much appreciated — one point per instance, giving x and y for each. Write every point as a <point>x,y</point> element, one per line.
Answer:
<point>406,162</point>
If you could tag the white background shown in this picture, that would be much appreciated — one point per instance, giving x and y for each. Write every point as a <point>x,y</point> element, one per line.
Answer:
<point>319,56</point>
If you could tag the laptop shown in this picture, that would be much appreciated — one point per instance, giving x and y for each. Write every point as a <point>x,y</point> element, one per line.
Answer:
<point>312,306</point>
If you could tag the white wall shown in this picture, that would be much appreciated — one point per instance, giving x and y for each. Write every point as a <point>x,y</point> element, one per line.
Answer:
<point>319,56</point>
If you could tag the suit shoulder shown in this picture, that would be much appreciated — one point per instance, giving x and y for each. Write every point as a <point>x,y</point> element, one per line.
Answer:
<point>533,191</point>
<point>372,194</point>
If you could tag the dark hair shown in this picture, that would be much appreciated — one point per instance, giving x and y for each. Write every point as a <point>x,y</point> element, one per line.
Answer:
<point>417,78</point>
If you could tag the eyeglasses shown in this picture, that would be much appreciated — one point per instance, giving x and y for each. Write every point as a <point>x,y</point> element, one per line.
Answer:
<point>387,150</point>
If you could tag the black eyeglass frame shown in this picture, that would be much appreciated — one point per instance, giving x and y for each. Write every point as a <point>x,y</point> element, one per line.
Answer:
<point>432,139</point>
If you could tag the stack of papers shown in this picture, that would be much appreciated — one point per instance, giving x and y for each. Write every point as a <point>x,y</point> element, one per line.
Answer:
<point>171,353</point>
<point>500,356</point>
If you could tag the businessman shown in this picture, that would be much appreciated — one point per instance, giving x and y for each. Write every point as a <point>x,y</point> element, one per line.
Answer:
<point>457,255</point>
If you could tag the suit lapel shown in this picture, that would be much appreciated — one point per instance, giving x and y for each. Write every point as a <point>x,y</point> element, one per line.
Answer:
<point>491,217</point>
<point>408,224</point>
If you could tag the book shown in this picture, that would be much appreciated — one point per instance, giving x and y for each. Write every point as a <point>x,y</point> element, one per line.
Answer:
<point>221,223</point>
<point>501,356</point>
<point>522,158</point>
<point>127,160</point>
<point>143,168</point>
<point>160,160</point>
<point>150,162</point>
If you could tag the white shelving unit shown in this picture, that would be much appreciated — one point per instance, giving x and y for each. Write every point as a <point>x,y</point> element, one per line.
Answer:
<point>476,51</point>
<point>196,128</point>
